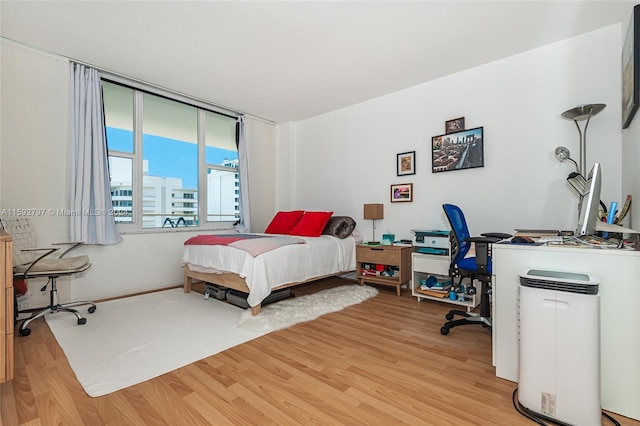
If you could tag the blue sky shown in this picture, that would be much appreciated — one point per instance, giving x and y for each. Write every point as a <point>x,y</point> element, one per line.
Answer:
<point>168,157</point>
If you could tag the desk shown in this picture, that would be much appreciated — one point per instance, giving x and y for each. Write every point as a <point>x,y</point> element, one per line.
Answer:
<point>619,273</point>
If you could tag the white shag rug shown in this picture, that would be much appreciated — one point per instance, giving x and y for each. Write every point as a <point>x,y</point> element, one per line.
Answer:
<point>131,340</point>
<point>305,308</point>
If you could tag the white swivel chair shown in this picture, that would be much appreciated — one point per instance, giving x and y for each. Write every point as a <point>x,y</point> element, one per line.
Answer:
<point>30,261</point>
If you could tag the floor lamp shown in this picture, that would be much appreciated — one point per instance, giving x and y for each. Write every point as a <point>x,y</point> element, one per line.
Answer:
<point>374,212</point>
<point>578,179</point>
<point>582,113</point>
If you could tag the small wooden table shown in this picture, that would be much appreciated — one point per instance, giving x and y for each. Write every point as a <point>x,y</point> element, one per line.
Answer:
<point>395,261</point>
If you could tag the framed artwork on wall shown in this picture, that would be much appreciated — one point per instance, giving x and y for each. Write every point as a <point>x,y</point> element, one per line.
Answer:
<point>455,125</point>
<point>406,163</point>
<point>402,193</point>
<point>457,151</point>
<point>631,69</point>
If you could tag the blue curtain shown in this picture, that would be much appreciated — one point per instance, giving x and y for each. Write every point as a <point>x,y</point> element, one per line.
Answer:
<point>93,221</point>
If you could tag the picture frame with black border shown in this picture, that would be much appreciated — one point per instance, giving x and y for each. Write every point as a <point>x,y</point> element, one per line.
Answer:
<point>402,193</point>
<point>406,163</point>
<point>631,69</point>
<point>457,151</point>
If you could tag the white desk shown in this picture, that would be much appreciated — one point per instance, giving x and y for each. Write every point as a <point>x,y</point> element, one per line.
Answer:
<point>619,273</point>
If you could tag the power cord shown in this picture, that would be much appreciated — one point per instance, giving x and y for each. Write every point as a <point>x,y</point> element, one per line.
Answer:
<point>536,418</point>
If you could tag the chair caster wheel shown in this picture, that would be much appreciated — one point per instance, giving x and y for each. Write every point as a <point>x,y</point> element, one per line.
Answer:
<point>92,309</point>
<point>449,316</point>
<point>24,331</point>
<point>82,321</point>
<point>444,331</point>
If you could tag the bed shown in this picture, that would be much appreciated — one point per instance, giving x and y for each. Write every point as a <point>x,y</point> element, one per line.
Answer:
<point>296,259</point>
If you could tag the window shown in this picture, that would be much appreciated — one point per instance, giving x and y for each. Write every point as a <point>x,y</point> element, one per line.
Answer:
<point>157,146</point>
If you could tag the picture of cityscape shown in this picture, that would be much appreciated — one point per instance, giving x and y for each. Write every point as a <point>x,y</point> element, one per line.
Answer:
<point>457,151</point>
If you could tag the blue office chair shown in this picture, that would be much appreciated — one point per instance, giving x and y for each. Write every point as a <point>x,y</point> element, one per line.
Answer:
<point>473,268</point>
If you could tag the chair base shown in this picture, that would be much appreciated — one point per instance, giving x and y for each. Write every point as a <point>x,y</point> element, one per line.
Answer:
<point>469,318</point>
<point>64,307</point>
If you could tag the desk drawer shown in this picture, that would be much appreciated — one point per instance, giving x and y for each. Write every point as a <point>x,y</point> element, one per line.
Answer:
<point>431,264</point>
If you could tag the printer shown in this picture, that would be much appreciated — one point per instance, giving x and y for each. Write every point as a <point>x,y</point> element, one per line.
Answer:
<point>431,241</point>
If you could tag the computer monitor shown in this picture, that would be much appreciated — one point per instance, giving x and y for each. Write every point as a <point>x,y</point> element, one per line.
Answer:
<point>590,203</point>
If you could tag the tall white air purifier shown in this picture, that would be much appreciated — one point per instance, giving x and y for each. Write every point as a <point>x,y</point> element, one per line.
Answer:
<point>559,315</point>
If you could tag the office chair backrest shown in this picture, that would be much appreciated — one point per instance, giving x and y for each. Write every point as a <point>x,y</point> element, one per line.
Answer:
<point>23,236</point>
<point>460,231</point>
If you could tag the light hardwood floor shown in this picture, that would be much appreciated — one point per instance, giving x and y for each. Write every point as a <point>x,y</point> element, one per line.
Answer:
<point>381,362</point>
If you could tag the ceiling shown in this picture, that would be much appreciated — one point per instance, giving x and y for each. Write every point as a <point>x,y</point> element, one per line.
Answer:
<point>291,60</point>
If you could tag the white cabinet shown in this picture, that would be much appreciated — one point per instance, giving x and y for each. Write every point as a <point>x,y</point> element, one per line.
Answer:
<point>426,265</point>
<point>619,273</point>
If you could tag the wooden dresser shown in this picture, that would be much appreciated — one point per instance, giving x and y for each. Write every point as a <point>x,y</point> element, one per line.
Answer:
<point>6,307</point>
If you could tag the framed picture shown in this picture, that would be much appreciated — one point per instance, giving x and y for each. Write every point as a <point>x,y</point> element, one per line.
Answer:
<point>631,69</point>
<point>454,125</point>
<point>457,151</point>
<point>402,193</point>
<point>407,163</point>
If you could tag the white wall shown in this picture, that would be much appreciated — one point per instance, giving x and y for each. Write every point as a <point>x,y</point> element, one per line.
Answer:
<point>33,174</point>
<point>261,139</point>
<point>284,165</point>
<point>348,157</point>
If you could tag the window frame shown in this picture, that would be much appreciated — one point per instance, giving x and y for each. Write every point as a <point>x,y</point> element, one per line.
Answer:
<point>137,184</point>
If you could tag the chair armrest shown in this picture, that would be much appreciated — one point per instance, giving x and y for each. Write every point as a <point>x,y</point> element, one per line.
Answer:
<point>486,240</point>
<point>73,245</point>
<point>498,235</point>
<point>48,250</point>
<point>482,248</point>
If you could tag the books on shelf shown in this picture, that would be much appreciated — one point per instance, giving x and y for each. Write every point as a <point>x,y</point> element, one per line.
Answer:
<point>435,283</point>
<point>433,293</point>
<point>434,286</point>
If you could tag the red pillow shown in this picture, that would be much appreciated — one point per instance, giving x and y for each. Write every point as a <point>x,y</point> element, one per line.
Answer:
<point>312,224</point>
<point>283,222</point>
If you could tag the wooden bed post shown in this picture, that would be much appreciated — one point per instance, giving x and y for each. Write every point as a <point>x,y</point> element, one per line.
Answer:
<point>187,281</point>
<point>255,310</point>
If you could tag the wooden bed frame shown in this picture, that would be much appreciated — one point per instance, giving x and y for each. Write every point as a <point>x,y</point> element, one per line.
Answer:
<point>235,282</point>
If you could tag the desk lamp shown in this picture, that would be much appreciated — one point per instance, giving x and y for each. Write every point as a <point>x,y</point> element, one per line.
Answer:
<point>374,212</point>
<point>562,153</point>
<point>576,180</point>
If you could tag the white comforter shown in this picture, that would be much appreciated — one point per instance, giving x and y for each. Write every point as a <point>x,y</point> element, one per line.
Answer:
<point>318,256</point>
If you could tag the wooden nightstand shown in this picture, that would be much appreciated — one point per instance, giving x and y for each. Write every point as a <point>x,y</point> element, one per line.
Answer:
<point>396,261</point>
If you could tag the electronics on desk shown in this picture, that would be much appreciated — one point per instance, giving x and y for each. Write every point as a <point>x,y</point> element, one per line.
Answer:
<point>431,241</point>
